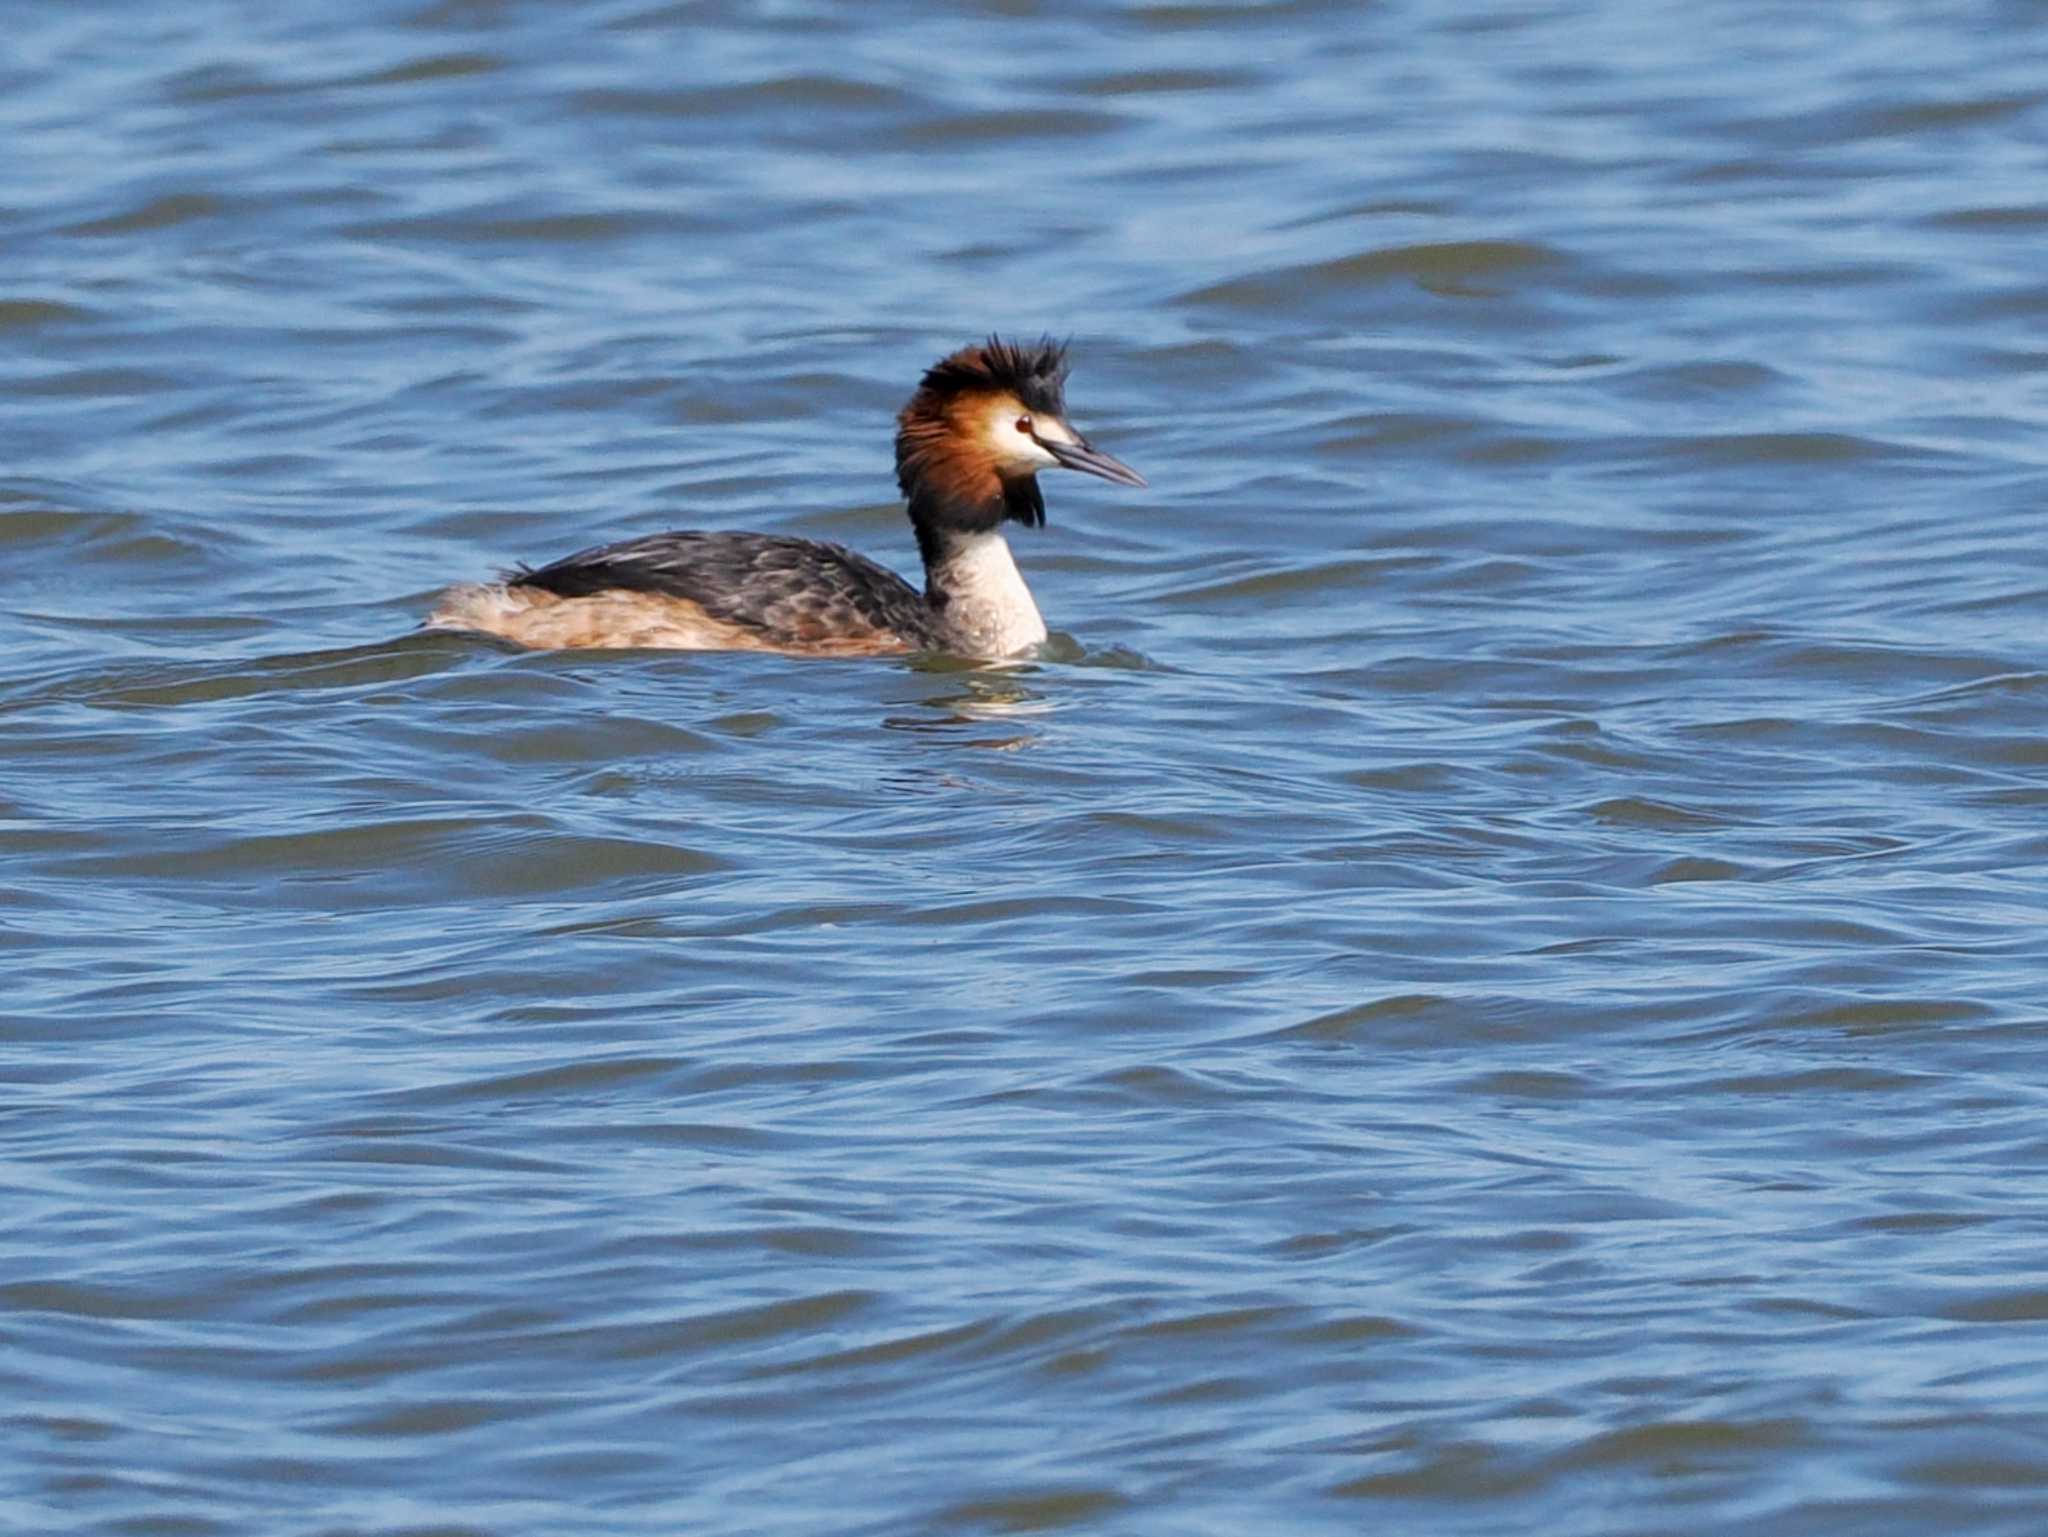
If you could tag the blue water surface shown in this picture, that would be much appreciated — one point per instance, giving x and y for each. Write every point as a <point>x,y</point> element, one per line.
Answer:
<point>1490,979</point>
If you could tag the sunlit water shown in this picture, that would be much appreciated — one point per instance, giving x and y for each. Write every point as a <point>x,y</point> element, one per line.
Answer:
<point>1491,981</point>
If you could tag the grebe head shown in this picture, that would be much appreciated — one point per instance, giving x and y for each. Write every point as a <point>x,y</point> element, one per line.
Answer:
<point>982,424</point>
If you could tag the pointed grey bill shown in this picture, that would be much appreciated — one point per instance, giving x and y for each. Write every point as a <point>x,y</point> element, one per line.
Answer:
<point>1079,455</point>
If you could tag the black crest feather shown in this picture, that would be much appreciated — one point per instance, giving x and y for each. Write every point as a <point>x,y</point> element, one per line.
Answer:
<point>1035,372</point>
<point>952,486</point>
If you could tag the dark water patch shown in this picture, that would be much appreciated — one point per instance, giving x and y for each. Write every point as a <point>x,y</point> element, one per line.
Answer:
<point>1681,871</point>
<point>1785,448</point>
<point>429,1417</point>
<point>1883,1016</point>
<point>434,67</point>
<point>1921,117</point>
<point>554,1082</point>
<point>1440,1476</point>
<point>1178,15</point>
<point>2017,217</point>
<point>1381,431</point>
<point>162,212</point>
<point>1533,1085</point>
<point>161,686</point>
<point>1630,812</point>
<point>27,522</point>
<point>2026,1305</point>
<point>1034,1510</point>
<point>360,863</point>
<point>1706,380</point>
<point>951,1342</point>
<point>1386,1019</point>
<point>499,224</point>
<point>1151,82</point>
<point>210,84</point>
<point>92,384</point>
<point>975,130</point>
<point>1452,269</point>
<point>795,1317</point>
<point>805,93</point>
<point>1678,1447</point>
<point>41,314</point>
<point>1280,586</point>
<point>1820,1081</point>
<point>2018,300</point>
<point>1831,277</point>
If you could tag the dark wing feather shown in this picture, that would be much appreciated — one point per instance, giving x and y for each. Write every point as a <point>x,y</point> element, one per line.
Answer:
<point>792,591</point>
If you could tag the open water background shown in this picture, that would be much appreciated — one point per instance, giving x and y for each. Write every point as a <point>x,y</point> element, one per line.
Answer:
<point>1494,980</point>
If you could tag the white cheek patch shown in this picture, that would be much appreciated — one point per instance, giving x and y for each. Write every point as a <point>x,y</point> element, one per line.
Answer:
<point>1016,449</point>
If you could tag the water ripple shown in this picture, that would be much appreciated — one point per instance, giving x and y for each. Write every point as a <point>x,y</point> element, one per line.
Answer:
<point>1488,978</point>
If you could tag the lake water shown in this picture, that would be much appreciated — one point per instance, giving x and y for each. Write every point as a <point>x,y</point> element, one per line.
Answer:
<point>1493,979</point>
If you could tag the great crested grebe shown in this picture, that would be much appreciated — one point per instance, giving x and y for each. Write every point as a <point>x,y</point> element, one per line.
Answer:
<point>969,447</point>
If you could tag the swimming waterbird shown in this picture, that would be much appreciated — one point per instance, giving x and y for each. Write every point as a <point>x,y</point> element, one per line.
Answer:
<point>969,446</point>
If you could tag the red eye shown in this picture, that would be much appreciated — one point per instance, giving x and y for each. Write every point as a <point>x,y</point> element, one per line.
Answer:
<point>1024,425</point>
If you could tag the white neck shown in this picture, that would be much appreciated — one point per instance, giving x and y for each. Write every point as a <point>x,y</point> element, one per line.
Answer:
<point>988,610</point>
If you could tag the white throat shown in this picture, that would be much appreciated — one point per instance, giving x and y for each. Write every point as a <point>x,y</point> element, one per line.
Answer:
<point>988,610</point>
